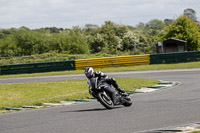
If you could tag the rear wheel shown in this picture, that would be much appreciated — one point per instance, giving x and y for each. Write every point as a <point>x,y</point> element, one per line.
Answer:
<point>105,100</point>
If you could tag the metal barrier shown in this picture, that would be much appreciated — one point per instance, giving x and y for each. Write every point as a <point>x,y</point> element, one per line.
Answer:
<point>113,61</point>
<point>133,60</point>
<point>177,57</point>
<point>37,67</point>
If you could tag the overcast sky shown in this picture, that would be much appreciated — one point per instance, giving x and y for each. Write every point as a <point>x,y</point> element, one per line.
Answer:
<point>68,13</point>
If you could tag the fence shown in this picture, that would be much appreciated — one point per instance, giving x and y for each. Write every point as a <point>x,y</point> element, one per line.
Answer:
<point>37,67</point>
<point>113,61</point>
<point>178,57</point>
<point>165,58</point>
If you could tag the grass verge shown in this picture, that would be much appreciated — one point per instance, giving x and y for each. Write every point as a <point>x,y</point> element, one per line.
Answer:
<point>114,69</point>
<point>30,94</point>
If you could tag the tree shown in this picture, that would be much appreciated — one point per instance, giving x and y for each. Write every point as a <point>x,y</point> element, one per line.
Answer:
<point>154,26</point>
<point>185,29</point>
<point>56,42</point>
<point>72,44</point>
<point>190,13</point>
<point>115,36</point>
<point>8,46</point>
<point>111,40</point>
<point>140,26</point>
<point>77,44</point>
<point>168,21</point>
<point>89,28</point>
<point>126,44</point>
<point>147,35</point>
<point>96,43</point>
<point>77,30</point>
<point>30,42</point>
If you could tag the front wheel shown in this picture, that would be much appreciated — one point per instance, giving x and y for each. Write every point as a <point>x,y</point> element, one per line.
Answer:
<point>127,101</point>
<point>105,100</point>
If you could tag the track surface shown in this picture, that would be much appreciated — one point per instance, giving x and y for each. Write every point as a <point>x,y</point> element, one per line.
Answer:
<point>160,109</point>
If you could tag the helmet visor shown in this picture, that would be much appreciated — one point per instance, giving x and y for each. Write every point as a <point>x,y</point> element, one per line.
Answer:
<point>88,75</point>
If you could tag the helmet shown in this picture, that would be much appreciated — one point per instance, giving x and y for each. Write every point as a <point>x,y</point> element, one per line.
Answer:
<point>89,72</point>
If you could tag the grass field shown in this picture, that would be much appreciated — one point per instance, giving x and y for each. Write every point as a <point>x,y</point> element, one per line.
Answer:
<point>17,95</point>
<point>114,69</point>
<point>28,94</point>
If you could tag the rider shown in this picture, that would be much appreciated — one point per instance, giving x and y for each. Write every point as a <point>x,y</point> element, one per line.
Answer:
<point>89,72</point>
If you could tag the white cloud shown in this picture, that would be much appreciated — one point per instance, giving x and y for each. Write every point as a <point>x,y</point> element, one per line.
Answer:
<point>68,13</point>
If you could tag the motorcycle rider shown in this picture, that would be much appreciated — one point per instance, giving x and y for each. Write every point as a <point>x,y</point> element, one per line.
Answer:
<point>89,73</point>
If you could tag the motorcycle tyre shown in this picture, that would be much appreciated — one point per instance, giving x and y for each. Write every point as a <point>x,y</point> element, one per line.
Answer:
<point>103,102</point>
<point>127,102</point>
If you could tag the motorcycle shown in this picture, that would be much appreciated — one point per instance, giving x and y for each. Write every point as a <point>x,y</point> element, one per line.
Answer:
<point>97,91</point>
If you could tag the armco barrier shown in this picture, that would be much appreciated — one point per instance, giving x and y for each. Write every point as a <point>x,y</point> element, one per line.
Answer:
<point>37,67</point>
<point>164,58</point>
<point>177,57</point>
<point>113,61</point>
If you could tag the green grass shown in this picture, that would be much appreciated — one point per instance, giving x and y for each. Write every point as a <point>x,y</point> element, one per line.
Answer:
<point>53,56</point>
<point>28,94</point>
<point>115,69</point>
<point>195,132</point>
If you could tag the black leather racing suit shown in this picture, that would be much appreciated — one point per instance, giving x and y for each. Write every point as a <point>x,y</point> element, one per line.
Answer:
<point>104,78</point>
<point>111,81</point>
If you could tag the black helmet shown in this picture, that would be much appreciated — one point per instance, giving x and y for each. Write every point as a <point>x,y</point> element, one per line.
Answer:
<point>89,72</point>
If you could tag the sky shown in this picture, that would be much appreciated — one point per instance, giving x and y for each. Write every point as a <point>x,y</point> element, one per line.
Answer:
<point>36,14</point>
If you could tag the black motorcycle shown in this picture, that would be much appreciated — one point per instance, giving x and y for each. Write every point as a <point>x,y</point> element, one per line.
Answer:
<point>97,91</point>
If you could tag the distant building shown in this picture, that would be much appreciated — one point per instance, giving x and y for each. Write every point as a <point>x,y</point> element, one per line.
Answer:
<point>171,45</point>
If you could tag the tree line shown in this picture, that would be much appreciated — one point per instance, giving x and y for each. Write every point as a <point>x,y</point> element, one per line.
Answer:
<point>110,38</point>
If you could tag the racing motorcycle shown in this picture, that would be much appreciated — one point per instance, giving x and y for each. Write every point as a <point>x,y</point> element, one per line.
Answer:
<point>97,91</point>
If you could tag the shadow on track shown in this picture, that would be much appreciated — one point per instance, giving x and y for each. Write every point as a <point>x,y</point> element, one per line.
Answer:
<point>90,110</point>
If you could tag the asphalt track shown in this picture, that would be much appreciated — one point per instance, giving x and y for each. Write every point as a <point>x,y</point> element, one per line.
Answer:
<point>166,108</point>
